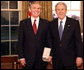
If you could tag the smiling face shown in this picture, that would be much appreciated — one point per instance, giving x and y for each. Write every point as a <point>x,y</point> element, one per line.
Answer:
<point>61,11</point>
<point>35,10</point>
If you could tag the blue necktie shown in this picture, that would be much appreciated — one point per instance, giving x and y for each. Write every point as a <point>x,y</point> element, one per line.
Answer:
<point>60,30</point>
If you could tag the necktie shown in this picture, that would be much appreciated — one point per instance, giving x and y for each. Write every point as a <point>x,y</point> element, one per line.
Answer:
<point>60,30</point>
<point>34,27</point>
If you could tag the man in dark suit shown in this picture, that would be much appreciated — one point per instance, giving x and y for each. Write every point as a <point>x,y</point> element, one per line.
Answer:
<point>67,49</point>
<point>33,37</point>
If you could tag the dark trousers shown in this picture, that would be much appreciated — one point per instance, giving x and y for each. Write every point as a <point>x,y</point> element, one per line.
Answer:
<point>60,65</point>
<point>64,67</point>
<point>35,66</point>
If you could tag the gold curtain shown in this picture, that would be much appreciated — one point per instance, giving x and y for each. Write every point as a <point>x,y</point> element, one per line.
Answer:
<point>46,11</point>
<point>24,9</point>
<point>82,16</point>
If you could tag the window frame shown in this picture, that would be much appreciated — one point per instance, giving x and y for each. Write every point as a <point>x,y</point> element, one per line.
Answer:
<point>19,10</point>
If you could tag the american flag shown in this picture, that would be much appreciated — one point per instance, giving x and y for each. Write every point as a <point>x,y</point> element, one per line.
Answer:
<point>29,12</point>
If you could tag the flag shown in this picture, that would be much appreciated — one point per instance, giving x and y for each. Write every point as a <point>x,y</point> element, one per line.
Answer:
<point>29,12</point>
<point>31,2</point>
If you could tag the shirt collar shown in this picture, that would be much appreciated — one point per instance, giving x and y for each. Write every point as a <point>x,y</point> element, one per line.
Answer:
<point>64,20</point>
<point>37,21</point>
<point>32,19</point>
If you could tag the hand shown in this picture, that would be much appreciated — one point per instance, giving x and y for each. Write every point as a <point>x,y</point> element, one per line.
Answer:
<point>79,61</point>
<point>50,59</point>
<point>23,62</point>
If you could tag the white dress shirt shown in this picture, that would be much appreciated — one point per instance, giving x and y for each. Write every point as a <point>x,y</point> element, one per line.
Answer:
<point>63,22</point>
<point>37,21</point>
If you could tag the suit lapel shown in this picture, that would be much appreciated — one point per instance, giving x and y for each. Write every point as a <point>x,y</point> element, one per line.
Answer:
<point>29,26</point>
<point>39,27</point>
<point>56,29</point>
<point>66,29</point>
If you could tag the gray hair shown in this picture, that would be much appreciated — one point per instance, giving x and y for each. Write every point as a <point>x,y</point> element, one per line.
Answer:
<point>36,2</point>
<point>61,3</point>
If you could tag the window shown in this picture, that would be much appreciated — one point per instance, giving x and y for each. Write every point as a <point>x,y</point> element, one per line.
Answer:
<point>10,18</point>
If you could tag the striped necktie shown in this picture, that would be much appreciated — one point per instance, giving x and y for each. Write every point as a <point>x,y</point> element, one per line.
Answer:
<point>60,29</point>
<point>34,27</point>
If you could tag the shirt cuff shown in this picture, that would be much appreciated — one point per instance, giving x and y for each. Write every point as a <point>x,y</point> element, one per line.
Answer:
<point>22,59</point>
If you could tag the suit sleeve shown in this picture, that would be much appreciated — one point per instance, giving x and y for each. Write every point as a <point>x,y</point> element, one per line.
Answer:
<point>21,40</point>
<point>78,39</point>
<point>49,39</point>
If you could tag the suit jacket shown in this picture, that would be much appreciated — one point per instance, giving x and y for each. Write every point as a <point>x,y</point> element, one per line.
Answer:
<point>31,46</point>
<point>70,46</point>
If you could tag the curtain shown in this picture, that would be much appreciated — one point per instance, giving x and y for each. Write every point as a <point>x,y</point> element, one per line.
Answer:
<point>82,16</point>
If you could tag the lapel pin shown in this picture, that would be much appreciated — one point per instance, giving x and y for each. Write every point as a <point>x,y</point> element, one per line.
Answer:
<point>68,25</point>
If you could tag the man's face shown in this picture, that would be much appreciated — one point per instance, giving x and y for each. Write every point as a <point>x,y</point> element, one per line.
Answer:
<point>61,11</point>
<point>35,10</point>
